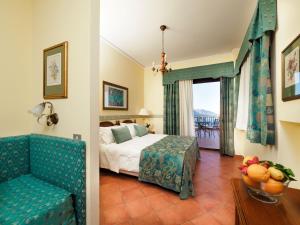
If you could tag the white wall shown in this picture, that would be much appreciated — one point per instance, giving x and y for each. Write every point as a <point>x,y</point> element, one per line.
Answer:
<point>16,66</point>
<point>153,88</point>
<point>287,149</point>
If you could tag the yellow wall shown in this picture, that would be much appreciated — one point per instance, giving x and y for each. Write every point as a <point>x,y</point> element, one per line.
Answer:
<point>287,149</point>
<point>153,88</point>
<point>28,27</point>
<point>77,22</point>
<point>16,65</point>
<point>117,68</point>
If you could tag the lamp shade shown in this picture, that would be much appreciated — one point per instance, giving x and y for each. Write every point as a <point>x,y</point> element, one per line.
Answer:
<point>38,110</point>
<point>144,112</point>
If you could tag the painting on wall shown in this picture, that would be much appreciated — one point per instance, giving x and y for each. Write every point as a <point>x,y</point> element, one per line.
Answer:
<point>290,71</point>
<point>115,97</point>
<point>56,71</point>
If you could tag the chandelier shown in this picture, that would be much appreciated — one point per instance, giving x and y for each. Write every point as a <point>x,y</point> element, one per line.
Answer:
<point>163,56</point>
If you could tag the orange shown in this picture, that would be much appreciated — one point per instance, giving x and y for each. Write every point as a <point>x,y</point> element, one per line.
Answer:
<point>250,182</point>
<point>258,173</point>
<point>272,186</point>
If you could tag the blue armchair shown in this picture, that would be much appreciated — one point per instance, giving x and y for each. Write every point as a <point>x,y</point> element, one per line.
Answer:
<point>42,180</point>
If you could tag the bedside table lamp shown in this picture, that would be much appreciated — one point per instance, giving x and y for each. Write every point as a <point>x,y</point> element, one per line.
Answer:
<point>144,112</point>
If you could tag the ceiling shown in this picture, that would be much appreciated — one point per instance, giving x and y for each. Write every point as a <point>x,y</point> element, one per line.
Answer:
<point>196,27</point>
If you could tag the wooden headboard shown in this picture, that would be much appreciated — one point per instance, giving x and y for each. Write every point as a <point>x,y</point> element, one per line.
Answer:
<point>108,123</point>
<point>129,121</point>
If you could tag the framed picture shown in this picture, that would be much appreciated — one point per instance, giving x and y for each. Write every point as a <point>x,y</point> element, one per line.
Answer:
<point>290,71</point>
<point>56,71</point>
<point>115,97</point>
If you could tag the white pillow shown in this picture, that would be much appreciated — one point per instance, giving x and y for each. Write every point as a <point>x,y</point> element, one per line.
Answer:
<point>131,128</point>
<point>105,134</point>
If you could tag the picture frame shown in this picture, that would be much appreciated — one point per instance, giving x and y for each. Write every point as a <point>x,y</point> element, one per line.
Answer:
<point>290,63</point>
<point>55,71</point>
<point>115,97</point>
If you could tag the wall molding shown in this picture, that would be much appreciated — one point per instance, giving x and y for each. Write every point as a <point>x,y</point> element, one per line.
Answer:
<point>122,117</point>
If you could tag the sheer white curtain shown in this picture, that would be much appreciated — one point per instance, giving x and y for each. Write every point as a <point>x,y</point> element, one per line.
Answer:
<point>243,100</point>
<point>187,127</point>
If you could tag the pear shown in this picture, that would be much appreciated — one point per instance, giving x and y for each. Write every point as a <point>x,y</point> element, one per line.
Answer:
<point>276,174</point>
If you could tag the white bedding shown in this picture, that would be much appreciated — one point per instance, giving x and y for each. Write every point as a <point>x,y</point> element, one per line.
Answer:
<point>126,156</point>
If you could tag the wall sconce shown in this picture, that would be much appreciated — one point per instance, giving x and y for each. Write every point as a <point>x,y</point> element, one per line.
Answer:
<point>38,111</point>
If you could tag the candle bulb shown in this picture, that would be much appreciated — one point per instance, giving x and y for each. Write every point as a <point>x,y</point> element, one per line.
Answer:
<point>153,64</point>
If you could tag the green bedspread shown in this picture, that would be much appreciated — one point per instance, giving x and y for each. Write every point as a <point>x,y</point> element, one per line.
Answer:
<point>170,163</point>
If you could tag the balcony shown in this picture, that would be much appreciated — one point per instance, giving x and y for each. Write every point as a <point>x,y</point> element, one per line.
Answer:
<point>208,131</point>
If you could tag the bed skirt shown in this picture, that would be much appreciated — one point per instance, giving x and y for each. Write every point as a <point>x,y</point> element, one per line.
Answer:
<point>171,163</point>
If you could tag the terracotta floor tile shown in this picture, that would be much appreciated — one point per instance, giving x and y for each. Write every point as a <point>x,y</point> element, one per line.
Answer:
<point>188,223</point>
<point>115,215</point>
<point>170,217</point>
<point>138,208</point>
<point>110,187</point>
<point>132,194</point>
<point>208,201</point>
<point>150,189</point>
<point>205,219</point>
<point>129,184</point>
<point>189,209</point>
<point>111,198</point>
<point>126,201</point>
<point>224,215</point>
<point>159,201</point>
<point>148,219</point>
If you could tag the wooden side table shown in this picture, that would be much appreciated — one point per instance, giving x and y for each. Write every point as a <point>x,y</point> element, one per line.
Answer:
<point>249,211</point>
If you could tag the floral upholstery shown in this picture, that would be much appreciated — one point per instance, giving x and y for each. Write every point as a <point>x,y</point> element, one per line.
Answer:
<point>37,201</point>
<point>14,157</point>
<point>170,163</point>
<point>53,160</point>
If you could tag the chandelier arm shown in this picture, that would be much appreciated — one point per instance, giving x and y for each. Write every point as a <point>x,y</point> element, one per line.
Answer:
<point>162,41</point>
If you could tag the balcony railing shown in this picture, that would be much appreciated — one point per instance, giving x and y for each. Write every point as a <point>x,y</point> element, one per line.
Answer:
<point>208,131</point>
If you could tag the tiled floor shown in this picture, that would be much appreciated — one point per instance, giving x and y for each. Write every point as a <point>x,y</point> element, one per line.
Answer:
<point>126,201</point>
<point>211,141</point>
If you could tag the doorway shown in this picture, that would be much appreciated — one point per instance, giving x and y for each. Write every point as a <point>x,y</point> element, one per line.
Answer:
<point>206,104</point>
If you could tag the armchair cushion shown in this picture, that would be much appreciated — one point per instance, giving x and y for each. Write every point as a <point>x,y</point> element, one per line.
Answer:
<point>61,162</point>
<point>38,202</point>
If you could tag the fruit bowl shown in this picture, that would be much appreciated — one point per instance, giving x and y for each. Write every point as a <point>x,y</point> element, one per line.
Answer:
<point>265,192</point>
<point>265,181</point>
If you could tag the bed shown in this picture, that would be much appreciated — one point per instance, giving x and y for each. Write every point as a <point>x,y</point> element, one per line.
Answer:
<point>168,161</point>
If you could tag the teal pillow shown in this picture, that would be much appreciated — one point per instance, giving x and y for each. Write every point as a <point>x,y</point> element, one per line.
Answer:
<point>140,130</point>
<point>121,134</point>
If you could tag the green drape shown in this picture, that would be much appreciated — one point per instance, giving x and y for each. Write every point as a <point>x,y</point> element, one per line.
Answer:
<point>171,109</point>
<point>264,20</point>
<point>199,72</point>
<point>229,99</point>
<point>261,127</point>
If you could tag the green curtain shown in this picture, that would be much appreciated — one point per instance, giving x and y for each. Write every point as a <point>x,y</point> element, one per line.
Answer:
<point>199,72</point>
<point>261,126</point>
<point>171,109</point>
<point>229,99</point>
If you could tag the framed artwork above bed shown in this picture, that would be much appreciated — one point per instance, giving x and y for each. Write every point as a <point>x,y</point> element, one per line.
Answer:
<point>115,97</point>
